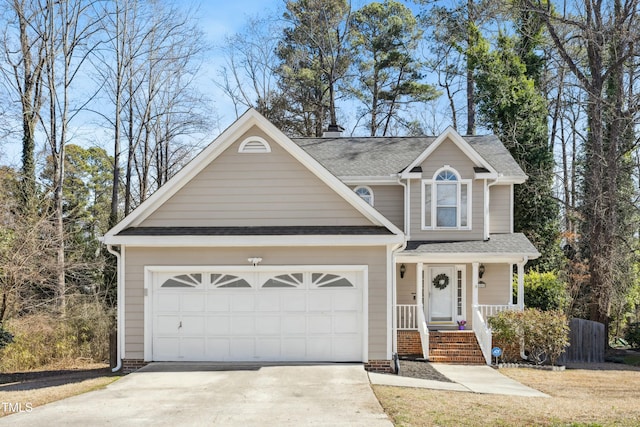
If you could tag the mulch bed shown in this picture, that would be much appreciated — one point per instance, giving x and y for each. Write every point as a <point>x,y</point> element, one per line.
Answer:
<point>420,369</point>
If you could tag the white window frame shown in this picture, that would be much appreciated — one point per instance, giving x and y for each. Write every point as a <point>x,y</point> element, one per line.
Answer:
<point>367,188</point>
<point>429,185</point>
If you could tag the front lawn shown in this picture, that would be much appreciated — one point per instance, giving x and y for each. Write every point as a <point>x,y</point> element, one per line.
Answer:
<point>608,396</point>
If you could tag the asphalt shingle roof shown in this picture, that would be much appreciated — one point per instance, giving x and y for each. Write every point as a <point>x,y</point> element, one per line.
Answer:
<point>255,231</point>
<point>498,244</point>
<point>386,156</point>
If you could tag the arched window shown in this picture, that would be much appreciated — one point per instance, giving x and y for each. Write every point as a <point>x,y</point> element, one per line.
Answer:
<point>365,194</point>
<point>446,200</point>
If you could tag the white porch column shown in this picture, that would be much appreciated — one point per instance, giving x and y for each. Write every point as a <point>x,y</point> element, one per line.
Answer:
<point>521,284</point>
<point>419,297</point>
<point>474,284</point>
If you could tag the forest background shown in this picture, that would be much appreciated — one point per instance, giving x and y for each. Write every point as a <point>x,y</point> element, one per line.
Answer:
<point>105,100</point>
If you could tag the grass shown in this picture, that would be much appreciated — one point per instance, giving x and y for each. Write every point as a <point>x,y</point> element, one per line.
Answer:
<point>608,396</point>
<point>36,388</point>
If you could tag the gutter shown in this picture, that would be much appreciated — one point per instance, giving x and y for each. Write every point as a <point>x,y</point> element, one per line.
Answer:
<point>120,297</point>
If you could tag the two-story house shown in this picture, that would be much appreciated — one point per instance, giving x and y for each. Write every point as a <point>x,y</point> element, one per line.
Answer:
<point>267,248</point>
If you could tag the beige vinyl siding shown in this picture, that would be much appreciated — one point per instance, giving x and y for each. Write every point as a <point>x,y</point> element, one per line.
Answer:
<point>500,209</point>
<point>389,201</point>
<point>498,289</point>
<point>138,258</point>
<point>255,189</point>
<point>406,286</point>
<point>447,154</point>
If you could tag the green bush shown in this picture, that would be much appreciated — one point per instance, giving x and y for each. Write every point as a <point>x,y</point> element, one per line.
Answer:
<point>632,335</point>
<point>544,291</point>
<point>544,334</point>
<point>6,337</point>
<point>82,334</point>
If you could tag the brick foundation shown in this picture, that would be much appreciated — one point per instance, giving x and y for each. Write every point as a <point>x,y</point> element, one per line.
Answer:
<point>409,343</point>
<point>132,365</point>
<point>382,366</point>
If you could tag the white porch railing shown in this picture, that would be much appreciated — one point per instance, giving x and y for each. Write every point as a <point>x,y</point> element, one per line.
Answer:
<point>407,316</point>
<point>491,310</point>
<point>481,328</point>
<point>411,317</point>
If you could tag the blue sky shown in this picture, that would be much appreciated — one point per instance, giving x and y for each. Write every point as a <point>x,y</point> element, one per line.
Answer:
<point>221,18</point>
<point>217,19</point>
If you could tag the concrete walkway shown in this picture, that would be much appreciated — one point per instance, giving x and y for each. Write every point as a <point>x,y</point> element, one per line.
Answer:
<point>475,379</point>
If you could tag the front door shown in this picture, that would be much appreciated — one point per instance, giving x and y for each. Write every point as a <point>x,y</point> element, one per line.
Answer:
<point>442,291</point>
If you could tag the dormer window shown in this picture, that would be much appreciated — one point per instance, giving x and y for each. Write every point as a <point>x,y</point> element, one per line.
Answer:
<point>365,194</point>
<point>446,201</point>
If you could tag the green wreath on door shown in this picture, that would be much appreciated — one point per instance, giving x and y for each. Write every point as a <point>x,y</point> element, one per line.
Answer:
<point>441,281</point>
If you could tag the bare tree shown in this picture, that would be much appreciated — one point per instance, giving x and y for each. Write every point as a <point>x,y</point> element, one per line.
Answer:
<point>24,58</point>
<point>248,77</point>
<point>70,27</point>
<point>148,67</point>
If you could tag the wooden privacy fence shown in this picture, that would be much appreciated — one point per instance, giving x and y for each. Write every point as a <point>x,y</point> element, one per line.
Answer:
<point>586,342</point>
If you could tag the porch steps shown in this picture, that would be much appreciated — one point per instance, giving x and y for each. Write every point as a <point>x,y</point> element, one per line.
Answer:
<point>455,347</point>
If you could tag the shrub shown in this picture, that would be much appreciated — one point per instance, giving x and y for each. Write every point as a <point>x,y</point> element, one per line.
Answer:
<point>6,337</point>
<point>544,334</point>
<point>544,291</point>
<point>46,339</point>
<point>632,334</point>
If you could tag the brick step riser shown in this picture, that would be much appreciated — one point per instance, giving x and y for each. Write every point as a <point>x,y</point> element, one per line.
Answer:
<point>455,348</point>
<point>457,361</point>
<point>454,353</point>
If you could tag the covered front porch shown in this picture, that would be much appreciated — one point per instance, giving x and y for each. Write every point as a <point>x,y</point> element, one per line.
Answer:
<point>444,287</point>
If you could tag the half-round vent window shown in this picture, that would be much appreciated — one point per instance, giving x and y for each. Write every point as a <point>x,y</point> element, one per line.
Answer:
<point>254,144</point>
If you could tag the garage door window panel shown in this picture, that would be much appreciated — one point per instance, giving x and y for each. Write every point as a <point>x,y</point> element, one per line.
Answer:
<point>328,280</point>
<point>184,281</point>
<point>228,281</point>
<point>284,281</point>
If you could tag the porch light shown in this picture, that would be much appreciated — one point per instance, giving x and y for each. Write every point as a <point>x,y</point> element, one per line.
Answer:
<point>403,269</point>
<point>481,271</point>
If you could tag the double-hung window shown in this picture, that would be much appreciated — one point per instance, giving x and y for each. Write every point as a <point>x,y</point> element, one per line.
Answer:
<point>446,201</point>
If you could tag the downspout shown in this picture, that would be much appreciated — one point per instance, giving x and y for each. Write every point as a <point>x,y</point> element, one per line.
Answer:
<point>394,295</point>
<point>120,297</point>
<point>394,291</point>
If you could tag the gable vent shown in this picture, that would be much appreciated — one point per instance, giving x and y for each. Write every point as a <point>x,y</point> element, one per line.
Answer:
<point>254,144</point>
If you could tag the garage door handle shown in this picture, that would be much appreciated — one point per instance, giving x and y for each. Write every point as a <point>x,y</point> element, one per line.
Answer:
<point>180,325</point>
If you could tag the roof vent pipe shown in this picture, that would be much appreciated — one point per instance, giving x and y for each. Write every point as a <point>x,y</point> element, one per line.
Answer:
<point>333,131</point>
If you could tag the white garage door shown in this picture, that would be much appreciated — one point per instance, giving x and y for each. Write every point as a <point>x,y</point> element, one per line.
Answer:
<point>259,314</point>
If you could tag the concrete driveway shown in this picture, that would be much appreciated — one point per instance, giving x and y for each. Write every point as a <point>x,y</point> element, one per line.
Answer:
<point>172,394</point>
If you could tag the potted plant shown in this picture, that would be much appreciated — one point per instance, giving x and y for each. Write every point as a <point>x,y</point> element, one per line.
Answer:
<point>461,324</point>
